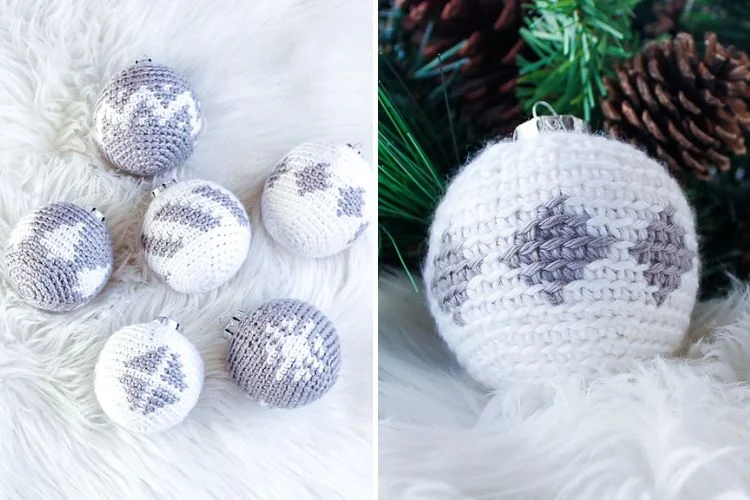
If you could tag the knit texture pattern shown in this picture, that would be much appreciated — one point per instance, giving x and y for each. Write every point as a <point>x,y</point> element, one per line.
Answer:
<point>285,354</point>
<point>147,119</point>
<point>316,202</point>
<point>562,253</point>
<point>148,377</point>
<point>196,235</point>
<point>59,257</point>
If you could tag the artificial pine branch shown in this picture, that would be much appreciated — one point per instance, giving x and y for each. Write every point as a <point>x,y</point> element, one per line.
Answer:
<point>411,154</point>
<point>576,43</point>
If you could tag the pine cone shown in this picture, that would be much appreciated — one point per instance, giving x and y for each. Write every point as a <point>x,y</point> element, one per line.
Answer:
<point>688,111</point>
<point>489,31</point>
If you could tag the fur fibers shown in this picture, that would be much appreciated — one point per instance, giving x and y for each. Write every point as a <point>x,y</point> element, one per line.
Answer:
<point>666,429</point>
<point>270,75</point>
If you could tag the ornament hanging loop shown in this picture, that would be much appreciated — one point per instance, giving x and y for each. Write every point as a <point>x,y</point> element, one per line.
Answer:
<point>548,123</point>
<point>543,104</point>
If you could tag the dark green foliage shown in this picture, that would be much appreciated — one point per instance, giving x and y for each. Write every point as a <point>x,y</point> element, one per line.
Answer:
<point>576,43</point>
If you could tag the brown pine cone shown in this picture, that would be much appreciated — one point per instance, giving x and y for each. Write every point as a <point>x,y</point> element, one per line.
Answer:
<point>689,111</point>
<point>488,30</point>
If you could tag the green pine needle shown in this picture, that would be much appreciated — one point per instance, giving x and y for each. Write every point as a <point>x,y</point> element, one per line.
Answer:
<point>576,43</point>
<point>409,184</point>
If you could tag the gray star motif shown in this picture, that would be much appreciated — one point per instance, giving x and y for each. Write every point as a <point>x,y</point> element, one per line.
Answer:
<point>313,178</point>
<point>351,201</point>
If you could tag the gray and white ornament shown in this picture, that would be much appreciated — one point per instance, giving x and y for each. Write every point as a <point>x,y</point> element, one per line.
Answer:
<point>317,200</point>
<point>147,119</point>
<point>59,257</point>
<point>561,252</point>
<point>196,235</point>
<point>285,354</point>
<point>148,376</point>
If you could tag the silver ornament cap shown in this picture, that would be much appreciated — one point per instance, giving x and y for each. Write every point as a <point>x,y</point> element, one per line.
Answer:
<point>538,125</point>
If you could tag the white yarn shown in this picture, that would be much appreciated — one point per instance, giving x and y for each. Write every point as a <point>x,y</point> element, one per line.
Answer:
<point>196,235</point>
<point>148,402</point>
<point>317,200</point>
<point>578,292</point>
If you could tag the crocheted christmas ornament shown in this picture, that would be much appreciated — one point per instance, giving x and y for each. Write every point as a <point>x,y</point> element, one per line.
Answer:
<point>317,201</point>
<point>561,252</point>
<point>196,235</point>
<point>59,257</point>
<point>285,354</point>
<point>148,376</point>
<point>147,119</point>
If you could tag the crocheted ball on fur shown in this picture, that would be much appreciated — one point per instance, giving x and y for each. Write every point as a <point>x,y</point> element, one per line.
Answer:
<point>148,376</point>
<point>147,119</point>
<point>285,354</point>
<point>59,257</point>
<point>317,201</point>
<point>559,254</point>
<point>196,235</point>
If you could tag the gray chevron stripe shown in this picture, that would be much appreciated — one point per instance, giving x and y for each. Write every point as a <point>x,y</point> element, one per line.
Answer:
<point>161,247</point>
<point>225,200</point>
<point>188,216</point>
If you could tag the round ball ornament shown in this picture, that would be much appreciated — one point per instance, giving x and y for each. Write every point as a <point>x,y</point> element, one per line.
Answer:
<point>285,354</point>
<point>196,235</point>
<point>148,376</point>
<point>147,119</point>
<point>59,257</point>
<point>316,202</point>
<point>561,252</point>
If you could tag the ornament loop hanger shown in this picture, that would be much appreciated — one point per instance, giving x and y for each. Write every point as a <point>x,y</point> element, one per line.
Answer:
<point>546,105</point>
<point>548,123</point>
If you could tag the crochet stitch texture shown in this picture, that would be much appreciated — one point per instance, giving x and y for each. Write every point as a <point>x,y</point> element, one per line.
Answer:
<point>196,235</point>
<point>148,376</point>
<point>285,354</point>
<point>316,202</point>
<point>59,257</point>
<point>147,119</point>
<point>558,254</point>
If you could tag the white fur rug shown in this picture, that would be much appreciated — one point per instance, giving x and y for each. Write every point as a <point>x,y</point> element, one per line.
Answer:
<point>270,74</point>
<point>668,429</point>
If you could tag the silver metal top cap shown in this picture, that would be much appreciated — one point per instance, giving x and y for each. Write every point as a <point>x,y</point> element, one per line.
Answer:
<point>95,211</point>
<point>549,123</point>
<point>234,323</point>
<point>162,186</point>
<point>169,323</point>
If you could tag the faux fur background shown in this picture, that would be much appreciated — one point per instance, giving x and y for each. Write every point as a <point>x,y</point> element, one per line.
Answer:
<point>667,429</point>
<point>270,74</point>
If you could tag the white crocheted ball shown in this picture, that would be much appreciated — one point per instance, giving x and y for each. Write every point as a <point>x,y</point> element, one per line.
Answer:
<point>148,376</point>
<point>147,119</point>
<point>317,200</point>
<point>285,354</point>
<point>59,257</point>
<point>562,253</point>
<point>195,236</point>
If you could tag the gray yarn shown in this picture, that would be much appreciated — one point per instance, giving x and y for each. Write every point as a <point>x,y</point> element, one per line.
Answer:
<point>553,250</point>
<point>665,251</point>
<point>145,397</point>
<point>48,281</point>
<point>351,200</point>
<point>258,372</point>
<point>191,216</point>
<point>144,146</point>
<point>316,177</point>
<point>453,271</point>
<point>222,198</point>
<point>358,233</point>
